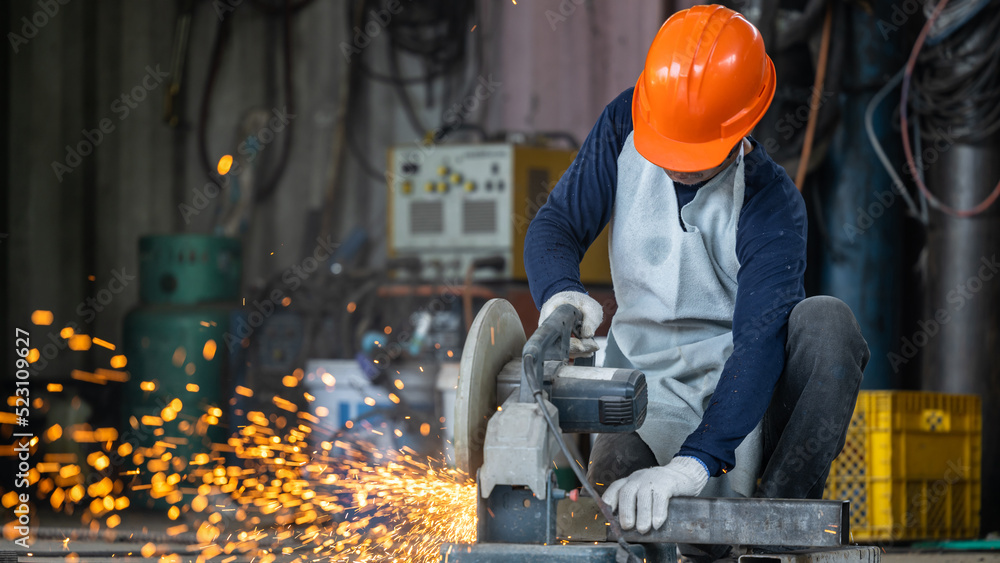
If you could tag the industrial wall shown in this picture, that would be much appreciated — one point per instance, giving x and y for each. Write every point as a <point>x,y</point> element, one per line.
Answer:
<point>95,161</point>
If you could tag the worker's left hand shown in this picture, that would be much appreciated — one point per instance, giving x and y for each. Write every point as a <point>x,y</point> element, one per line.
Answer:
<point>642,497</point>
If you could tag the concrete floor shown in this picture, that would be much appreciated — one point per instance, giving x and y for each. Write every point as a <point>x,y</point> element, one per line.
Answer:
<point>140,528</point>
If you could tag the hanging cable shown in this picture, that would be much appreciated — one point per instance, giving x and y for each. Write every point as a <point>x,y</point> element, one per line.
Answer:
<point>533,366</point>
<point>222,35</point>
<point>957,14</point>
<point>214,62</point>
<point>873,139</point>
<point>432,32</point>
<point>824,49</point>
<point>974,102</point>
<point>957,88</point>
<point>270,185</point>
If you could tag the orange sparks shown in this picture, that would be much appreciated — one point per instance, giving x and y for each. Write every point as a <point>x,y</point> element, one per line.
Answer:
<point>332,496</point>
<point>103,343</point>
<point>81,375</point>
<point>225,164</point>
<point>112,375</point>
<point>41,318</point>
<point>208,351</point>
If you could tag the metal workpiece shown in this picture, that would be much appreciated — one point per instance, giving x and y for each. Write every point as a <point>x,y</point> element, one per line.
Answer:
<point>734,521</point>
<point>752,521</point>
<point>519,448</point>
<point>848,554</point>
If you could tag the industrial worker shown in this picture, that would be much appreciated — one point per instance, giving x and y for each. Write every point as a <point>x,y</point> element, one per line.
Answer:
<point>747,378</point>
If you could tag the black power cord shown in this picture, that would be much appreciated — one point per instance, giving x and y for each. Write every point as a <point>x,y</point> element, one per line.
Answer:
<point>222,36</point>
<point>433,32</point>
<point>557,326</point>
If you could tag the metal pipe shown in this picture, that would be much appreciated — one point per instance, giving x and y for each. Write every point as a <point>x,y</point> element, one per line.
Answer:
<point>959,333</point>
<point>861,259</point>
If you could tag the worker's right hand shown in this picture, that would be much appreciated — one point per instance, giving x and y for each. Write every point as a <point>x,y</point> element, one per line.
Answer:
<point>593,315</point>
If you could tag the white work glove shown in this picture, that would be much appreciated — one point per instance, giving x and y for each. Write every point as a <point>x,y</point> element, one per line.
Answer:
<point>642,497</point>
<point>593,315</point>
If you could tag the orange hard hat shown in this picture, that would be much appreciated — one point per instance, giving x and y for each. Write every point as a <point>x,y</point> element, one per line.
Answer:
<point>706,84</point>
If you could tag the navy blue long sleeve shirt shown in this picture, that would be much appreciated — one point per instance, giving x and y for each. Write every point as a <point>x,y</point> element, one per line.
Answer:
<point>770,246</point>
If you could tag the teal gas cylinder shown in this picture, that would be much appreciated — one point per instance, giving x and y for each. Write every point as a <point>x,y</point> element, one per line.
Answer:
<point>174,341</point>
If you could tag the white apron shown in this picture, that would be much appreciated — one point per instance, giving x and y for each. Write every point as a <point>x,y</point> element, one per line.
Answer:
<point>676,292</point>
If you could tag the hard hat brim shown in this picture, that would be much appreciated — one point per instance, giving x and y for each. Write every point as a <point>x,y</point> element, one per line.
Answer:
<point>683,156</point>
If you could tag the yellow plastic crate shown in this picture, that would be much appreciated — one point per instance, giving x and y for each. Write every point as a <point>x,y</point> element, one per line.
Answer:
<point>911,466</point>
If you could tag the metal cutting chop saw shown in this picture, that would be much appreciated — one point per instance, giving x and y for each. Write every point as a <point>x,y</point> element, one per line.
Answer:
<point>515,398</point>
<point>508,386</point>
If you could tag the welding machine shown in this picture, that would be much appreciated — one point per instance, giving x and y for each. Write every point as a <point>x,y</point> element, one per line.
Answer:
<point>452,204</point>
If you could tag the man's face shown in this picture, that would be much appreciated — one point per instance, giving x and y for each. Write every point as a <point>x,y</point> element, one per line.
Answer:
<point>704,175</point>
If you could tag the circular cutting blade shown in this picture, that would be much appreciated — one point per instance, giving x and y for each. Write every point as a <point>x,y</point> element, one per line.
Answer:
<point>496,338</point>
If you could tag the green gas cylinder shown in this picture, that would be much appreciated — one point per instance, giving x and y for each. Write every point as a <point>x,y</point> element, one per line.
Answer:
<point>174,341</point>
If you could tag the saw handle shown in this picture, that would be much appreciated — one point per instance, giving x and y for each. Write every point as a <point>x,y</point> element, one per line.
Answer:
<point>556,330</point>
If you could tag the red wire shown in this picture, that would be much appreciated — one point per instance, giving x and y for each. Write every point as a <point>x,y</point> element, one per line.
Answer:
<point>986,203</point>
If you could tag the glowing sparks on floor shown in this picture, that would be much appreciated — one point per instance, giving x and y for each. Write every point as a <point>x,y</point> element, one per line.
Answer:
<point>281,484</point>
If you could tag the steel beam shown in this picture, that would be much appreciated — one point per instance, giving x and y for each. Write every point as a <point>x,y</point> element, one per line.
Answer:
<point>735,521</point>
<point>853,554</point>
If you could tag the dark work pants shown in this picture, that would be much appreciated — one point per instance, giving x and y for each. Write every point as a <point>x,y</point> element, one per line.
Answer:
<point>806,422</point>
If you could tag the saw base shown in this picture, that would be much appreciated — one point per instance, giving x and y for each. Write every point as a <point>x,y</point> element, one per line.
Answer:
<point>511,552</point>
